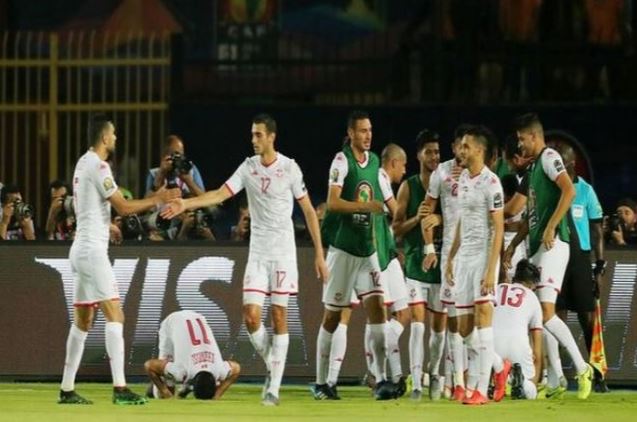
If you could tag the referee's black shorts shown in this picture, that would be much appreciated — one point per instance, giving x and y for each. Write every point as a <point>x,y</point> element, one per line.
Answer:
<point>577,292</point>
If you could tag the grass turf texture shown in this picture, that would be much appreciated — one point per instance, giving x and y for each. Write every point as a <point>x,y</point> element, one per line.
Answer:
<point>37,402</point>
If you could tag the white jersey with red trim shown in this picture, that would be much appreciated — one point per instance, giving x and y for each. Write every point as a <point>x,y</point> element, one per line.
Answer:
<point>93,184</point>
<point>385,187</point>
<point>478,197</point>
<point>186,341</point>
<point>517,311</point>
<point>443,185</point>
<point>271,191</point>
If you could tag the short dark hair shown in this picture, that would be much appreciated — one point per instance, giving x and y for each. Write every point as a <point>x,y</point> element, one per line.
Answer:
<point>267,120</point>
<point>6,190</point>
<point>355,116</point>
<point>426,136</point>
<point>527,121</point>
<point>97,123</point>
<point>204,385</point>
<point>624,202</point>
<point>461,130</point>
<point>526,272</point>
<point>57,184</point>
<point>512,146</point>
<point>486,138</point>
<point>509,184</point>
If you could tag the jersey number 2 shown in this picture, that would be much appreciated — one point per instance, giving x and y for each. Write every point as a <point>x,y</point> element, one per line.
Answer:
<point>193,336</point>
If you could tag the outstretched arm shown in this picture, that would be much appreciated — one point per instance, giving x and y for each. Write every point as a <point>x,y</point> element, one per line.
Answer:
<point>209,198</point>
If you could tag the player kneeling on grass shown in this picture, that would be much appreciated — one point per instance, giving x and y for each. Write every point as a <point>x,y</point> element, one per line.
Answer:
<point>517,314</point>
<point>188,353</point>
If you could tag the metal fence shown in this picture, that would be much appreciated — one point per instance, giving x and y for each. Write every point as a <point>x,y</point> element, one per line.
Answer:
<point>50,83</point>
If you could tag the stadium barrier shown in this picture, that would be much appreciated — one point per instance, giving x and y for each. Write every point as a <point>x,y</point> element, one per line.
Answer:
<point>159,278</point>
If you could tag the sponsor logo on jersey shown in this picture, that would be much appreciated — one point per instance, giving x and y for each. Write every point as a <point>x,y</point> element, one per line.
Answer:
<point>559,166</point>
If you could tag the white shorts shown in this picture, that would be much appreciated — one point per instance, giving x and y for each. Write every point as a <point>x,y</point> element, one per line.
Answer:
<point>517,350</point>
<point>425,293</point>
<point>350,274</point>
<point>393,283</point>
<point>93,277</point>
<point>468,274</point>
<point>277,279</point>
<point>552,265</point>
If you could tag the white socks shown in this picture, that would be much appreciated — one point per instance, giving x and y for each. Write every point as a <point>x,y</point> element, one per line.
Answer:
<point>530,390</point>
<point>369,355</point>
<point>456,347</point>
<point>472,344</point>
<point>278,357</point>
<point>323,346</point>
<point>416,353</point>
<point>394,330</point>
<point>486,358</point>
<point>74,350</point>
<point>498,363</point>
<point>379,351</point>
<point>114,335</point>
<point>261,343</point>
<point>337,353</point>
<point>555,363</point>
<point>560,330</point>
<point>436,349</point>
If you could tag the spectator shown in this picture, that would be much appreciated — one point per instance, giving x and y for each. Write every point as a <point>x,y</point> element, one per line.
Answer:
<point>623,229</point>
<point>60,222</point>
<point>17,221</point>
<point>196,225</point>
<point>175,169</point>
<point>241,232</point>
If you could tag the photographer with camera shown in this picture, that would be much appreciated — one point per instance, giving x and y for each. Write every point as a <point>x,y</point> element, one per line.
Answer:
<point>60,222</point>
<point>175,170</point>
<point>17,216</point>
<point>241,231</point>
<point>197,225</point>
<point>623,224</point>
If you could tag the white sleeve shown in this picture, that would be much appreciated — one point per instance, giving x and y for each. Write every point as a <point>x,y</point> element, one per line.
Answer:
<point>175,370</point>
<point>235,182</point>
<point>298,185</point>
<point>166,349</point>
<point>385,186</point>
<point>435,183</point>
<point>221,371</point>
<point>338,170</point>
<point>495,196</point>
<point>104,180</point>
<point>552,164</point>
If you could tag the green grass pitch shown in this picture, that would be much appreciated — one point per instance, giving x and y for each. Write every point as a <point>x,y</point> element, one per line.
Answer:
<point>37,402</point>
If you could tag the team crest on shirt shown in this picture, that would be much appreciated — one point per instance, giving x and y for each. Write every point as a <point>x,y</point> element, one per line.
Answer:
<point>279,172</point>
<point>334,175</point>
<point>559,166</point>
<point>364,192</point>
<point>108,183</point>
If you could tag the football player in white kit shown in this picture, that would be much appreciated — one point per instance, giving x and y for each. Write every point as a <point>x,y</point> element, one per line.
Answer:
<point>271,181</point>
<point>443,187</point>
<point>518,316</point>
<point>94,191</point>
<point>477,243</point>
<point>189,354</point>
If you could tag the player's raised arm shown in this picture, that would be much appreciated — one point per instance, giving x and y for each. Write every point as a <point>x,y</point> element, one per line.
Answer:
<point>235,370</point>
